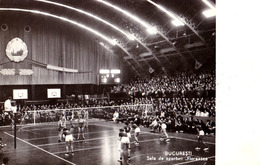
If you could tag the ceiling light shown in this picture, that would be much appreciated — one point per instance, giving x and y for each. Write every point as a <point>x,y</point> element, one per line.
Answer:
<point>177,22</point>
<point>209,13</point>
<point>208,4</point>
<point>131,16</point>
<point>151,31</point>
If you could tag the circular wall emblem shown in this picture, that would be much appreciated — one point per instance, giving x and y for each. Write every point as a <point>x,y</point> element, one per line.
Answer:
<point>4,27</point>
<point>16,50</point>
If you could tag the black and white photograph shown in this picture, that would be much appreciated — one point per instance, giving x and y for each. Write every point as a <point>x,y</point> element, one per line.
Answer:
<point>107,82</point>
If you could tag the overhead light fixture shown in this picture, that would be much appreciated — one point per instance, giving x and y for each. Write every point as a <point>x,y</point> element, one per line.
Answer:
<point>177,22</point>
<point>209,13</point>
<point>208,4</point>
<point>150,29</point>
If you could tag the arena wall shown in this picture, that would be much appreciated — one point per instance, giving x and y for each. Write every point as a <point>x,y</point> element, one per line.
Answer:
<point>51,41</point>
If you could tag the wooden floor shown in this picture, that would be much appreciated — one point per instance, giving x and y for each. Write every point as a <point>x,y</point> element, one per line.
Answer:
<point>38,145</point>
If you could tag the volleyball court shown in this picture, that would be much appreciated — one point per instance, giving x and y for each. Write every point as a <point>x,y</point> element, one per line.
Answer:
<point>96,140</point>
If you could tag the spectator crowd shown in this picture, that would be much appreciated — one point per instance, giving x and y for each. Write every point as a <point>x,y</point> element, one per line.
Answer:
<point>181,114</point>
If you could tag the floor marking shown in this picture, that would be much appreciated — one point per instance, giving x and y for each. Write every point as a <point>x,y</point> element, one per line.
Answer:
<point>41,149</point>
<point>175,137</point>
<point>84,149</point>
<point>32,132</point>
<point>23,126</point>
<point>180,138</point>
<point>76,141</point>
<point>75,134</point>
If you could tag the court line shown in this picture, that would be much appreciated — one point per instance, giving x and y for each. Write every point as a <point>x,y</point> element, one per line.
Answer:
<point>41,149</point>
<point>47,137</point>
<point>32,132</point>
<point>42,145</point>
<point>84,149</point>
<point>40,125</point>
<point>77,141</point>
<point>180,138</point>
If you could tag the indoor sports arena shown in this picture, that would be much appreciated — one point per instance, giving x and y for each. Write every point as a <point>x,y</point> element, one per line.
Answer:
<point>107,82</point>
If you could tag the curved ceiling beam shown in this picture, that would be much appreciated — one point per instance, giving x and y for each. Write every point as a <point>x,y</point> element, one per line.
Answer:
<point>63,19</point>
<point>131,37</point>
<point>149,28</point>
<point>72,22</point>
<point>182,21</point>
<point>90,15</point>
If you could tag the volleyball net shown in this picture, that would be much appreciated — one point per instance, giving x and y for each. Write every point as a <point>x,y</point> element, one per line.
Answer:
<point>100,112</point>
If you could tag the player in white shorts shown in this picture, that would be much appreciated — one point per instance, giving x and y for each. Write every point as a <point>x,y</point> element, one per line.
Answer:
<point>137,130</point>
<point>124,144</point>
<point>200,136</point>
<point>62,125</point>
<point>68,140</point>
<point>81,127</point>
<point>165,134</point>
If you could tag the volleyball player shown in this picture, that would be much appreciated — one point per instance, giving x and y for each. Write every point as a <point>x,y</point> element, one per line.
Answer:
<point>10,110</point>
<point>72,125</point>
<point>127,130</point>
<point>165,134</point>
<point>124,144</point>
<point>136,129</point>
<point>200,137</point>
<point>86,116</point>
<point>67,135</point>
<point>81,127</point>
<point>2,144</point>
<point>62,125</point>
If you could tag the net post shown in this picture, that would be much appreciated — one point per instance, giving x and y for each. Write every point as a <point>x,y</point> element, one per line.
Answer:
<point>14,130</point>
<point>14,122</point>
